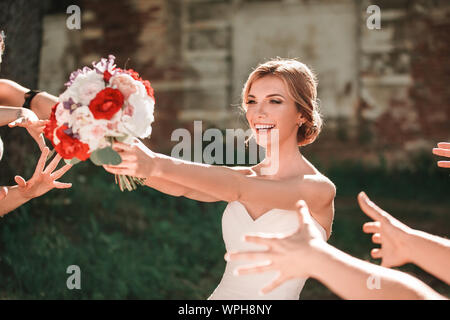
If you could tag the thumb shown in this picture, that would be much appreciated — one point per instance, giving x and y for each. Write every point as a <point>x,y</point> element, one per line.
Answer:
<point>20,181</point>
<point>3,192</point>
<point>370,208</point>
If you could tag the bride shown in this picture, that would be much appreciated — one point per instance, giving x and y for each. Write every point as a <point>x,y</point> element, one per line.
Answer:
<point>279,99</point>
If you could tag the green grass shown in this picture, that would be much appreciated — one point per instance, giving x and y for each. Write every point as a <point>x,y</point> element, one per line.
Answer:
<point>146,245</point>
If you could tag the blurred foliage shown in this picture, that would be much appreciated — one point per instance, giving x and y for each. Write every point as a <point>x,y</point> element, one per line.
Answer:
<point>147,245</point>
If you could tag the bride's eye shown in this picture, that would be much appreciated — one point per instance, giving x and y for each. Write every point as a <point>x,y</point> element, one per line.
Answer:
<point>250,102</point>
<point>275,101</point>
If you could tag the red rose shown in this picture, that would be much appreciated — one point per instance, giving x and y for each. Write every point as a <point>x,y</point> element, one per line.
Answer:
<point>69,147</point>
<point>106,103</point>
<point>51,126</point>
<point>149,89</point>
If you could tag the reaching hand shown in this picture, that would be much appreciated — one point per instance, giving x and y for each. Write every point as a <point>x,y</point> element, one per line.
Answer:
<point>34,126</point>
<point>137,160</point>
<point>43,179</point>
<point>387,231</point>
<point>443,150</point>
<point>287,254</point>
<point>3,192</point>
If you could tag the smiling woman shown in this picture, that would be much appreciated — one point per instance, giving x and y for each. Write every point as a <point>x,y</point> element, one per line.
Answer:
<point>290,81</point>
<point>279,99</point>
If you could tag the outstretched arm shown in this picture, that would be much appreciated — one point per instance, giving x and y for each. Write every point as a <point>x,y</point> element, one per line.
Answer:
<point>178,190</point>
<point>221,182</point>
<point>12,94</point>
<point>400,244</point>
<point>305,254</point>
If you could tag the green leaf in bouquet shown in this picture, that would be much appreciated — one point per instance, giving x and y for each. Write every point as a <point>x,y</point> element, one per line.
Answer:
<point>72,161</point>
<point>122,138</point>
<point>105,156</point>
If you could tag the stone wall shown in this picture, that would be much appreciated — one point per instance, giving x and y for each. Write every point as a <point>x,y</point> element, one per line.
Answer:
<point>381,91</point>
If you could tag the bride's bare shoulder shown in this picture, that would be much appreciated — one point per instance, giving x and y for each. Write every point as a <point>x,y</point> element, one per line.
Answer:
<point>318,185</point>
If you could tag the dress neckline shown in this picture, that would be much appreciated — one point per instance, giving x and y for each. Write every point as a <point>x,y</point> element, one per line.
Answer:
<point>250,216</point>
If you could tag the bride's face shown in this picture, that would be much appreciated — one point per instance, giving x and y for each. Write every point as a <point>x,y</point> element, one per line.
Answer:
<point>268,104</point>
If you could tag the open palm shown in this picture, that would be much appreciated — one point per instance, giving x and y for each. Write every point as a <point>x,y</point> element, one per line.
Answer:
<point>43,179</point>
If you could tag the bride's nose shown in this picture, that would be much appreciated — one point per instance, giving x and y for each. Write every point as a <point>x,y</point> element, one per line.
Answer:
<point>261,110</point>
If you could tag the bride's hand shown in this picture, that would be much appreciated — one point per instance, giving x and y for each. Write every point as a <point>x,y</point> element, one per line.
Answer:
<point>34,126</point>
<point>290,255</point>
<point>137,160</point>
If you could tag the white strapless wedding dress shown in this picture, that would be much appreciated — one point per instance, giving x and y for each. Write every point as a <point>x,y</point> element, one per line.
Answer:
<point>236,222</point>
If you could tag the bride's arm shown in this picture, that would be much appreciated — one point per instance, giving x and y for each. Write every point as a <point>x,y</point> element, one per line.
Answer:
<point>222,182</point>
<point>178,190</point>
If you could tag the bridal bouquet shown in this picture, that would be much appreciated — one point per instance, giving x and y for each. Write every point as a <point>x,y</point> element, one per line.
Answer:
<point>101,105</point>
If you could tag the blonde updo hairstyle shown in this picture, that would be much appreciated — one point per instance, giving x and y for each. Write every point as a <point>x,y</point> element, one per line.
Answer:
<point>302,88</point>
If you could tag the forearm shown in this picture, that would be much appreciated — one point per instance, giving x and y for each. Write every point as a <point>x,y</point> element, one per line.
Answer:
<point>13,200</point>
<point>352,278</point>
<point>10,114</point>
<point>42,105</point>
<point>217,182</point>
<point>12,94</point>
<point>431,253</point>
<point>177,190</point>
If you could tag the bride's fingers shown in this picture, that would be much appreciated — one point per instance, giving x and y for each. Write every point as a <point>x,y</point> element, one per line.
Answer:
<point>372,227</point>
<point>275,283</point>
<point>251,269</point>
<point>376,238</point>
<point>376,253</point>
<point>116,170</point>
<point>127,157</point>
<point>121,146</point>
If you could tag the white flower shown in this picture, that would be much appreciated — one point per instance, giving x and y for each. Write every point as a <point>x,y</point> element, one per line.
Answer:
<point>138,122</point>
<point>85,88</point>
<point>62,115</point>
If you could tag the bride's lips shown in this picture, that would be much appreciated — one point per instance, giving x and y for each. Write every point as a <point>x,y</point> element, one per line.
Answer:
<point>264,128</point>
